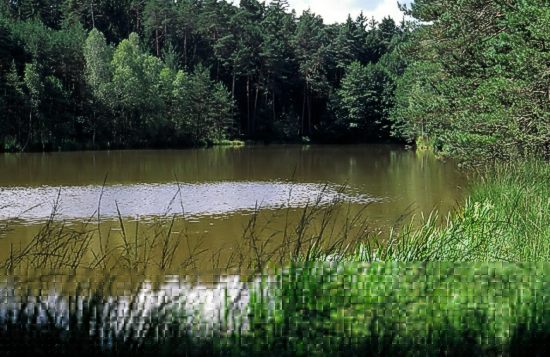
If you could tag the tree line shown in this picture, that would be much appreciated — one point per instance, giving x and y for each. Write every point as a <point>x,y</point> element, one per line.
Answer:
<point>477,83</point>
<point>469,79</point>
<point>154,73</point>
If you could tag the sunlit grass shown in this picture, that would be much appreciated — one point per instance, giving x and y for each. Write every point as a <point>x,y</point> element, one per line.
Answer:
<point>230,143</point>
<point>505,219</point>
<point>404,309</point>
<point>304,309</point>
<point>472,283</point>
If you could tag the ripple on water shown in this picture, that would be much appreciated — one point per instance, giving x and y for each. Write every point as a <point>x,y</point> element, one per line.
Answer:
<point>35,204</point>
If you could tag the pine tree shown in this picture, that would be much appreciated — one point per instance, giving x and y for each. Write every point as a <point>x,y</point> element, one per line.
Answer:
<point>247,57</point>
<point>98,74</point>
<point>360,100</point>
<point>14,100</point>
<point>311,47</point>
<point>160,19</point>
<point>186,29</point>
<point>277,29</point>
<point>34,89</point>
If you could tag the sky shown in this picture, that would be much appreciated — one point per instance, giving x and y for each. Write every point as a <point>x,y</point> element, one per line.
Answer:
<point>337,10</point>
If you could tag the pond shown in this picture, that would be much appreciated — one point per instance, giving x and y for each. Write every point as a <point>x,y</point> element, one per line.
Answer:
<point>212,195</point>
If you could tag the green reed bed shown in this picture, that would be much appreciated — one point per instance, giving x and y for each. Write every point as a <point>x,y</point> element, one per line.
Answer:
<point>306,309</point>
<point>506,219</point>
<point>404,309</point>
<point>469,296</point>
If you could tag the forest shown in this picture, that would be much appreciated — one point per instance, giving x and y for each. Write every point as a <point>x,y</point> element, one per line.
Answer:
<point>82,74</point>
<point>477,84</point>
<point>467,79</point>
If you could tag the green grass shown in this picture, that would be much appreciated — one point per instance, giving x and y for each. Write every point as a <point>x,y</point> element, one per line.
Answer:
<point>416,309</point>
<point>404,309</point>
<point>473,283</point>
<point>505,219</point>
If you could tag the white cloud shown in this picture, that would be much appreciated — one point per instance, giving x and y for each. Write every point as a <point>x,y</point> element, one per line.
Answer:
<point>337,10</point>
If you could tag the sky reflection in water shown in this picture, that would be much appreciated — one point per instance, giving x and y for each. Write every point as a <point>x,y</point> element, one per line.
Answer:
<point>35,204</point>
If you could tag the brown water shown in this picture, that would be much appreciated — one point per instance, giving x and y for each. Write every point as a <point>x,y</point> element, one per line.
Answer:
<point>213,192</point>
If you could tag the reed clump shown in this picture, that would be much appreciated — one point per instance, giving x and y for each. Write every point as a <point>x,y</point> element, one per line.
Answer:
<point>505,219</point>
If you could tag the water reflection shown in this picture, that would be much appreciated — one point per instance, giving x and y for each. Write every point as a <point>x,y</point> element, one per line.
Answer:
<point>379,171</point>
<point>35,204</point>
<point>217,191</point>
<point>123,307</point>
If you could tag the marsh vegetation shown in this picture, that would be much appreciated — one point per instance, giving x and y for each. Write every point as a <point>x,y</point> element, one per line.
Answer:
<point>307,294</point>
<point>374,251</point>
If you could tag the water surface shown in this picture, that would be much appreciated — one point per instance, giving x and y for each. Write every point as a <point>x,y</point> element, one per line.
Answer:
<point>213,191</point>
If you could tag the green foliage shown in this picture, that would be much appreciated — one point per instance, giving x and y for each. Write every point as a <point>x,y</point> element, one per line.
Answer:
<point>14,101</point>
<point>106,60</point>
<point>203,107</point>
<point>311,49</point>
<point>470,78</point>
<point>389,308</point>
<point>361,100</point>
<point>147,96</point>
<point>160,20</point>
<point>506,219</point>
<point>478,81</point>
<point>34,87</point>
<point>313,309</point>
<point>98,58</point>
<point>41,58</point>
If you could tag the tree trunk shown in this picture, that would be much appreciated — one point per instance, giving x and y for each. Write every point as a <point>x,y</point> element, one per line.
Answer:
<point>29,134</point>
<point>19,129</point>
<point>93,17</point>
<point>165,34</point>
<point>303,123</point>
<point>309,115</point>
<point>42,138</point>
<point>157,41</point>
<point>94,130</point>
<point>248,104</point>
<point>197,126</point>
<point>185,49</point>
<point>233,98</point>
<point>273,107</point>
<point>255,110</point>
<point>233,84</point>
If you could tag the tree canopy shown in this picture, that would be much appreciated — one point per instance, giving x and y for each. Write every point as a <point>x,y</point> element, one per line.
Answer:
<point>478,83</point>
<point>135,73</point>
<point>469,78</point>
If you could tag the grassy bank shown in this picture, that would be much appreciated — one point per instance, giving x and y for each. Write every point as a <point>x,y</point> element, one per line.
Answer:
<point>480,290</point>
<point>505,219</point>
<point>229,143</point>
<point>473,282</point>
<point>305,309</point>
